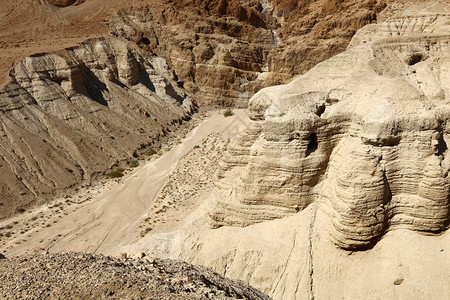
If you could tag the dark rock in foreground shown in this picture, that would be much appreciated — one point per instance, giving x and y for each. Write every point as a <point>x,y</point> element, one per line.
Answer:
<point>87,276</point>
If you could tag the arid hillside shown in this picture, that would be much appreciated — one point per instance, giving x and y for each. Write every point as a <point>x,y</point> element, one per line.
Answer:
<point>339,186</point>
<point>223,51</point>
<point>85,84</point>
<point>69,116</point>
<point>332,185</point>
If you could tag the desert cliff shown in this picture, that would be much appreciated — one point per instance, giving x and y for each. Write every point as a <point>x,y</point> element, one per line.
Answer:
<point>352,156</point>
<point>67,117</point>
<point>334,184</point>
<point>94,89</point>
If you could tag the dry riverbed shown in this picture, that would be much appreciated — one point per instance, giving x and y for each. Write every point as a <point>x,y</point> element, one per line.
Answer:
<point>113,213</point>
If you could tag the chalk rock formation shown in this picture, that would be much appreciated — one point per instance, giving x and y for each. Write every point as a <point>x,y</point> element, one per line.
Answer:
<point>67,117</point>
<point>339,186</point>
<point>365,134</point>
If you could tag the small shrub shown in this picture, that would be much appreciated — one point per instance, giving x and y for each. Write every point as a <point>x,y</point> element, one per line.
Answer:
<point>116,174</point>
<point>148,229</point>
<point>151,152</point>
<point>228,113</point>
<point>134,163</point>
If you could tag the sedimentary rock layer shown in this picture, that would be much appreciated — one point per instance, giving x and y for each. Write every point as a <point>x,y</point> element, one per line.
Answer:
<point>225,51</point>
<point>365,134</point>
<point>69,116</point>
<point>353,155</point>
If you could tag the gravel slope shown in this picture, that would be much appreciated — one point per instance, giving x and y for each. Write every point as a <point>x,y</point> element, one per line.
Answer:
<point>86,276</point>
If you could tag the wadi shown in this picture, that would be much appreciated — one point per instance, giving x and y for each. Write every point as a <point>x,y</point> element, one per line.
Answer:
<point>225,149</point>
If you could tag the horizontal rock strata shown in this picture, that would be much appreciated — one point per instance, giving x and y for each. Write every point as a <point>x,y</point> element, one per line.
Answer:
<point>67,117</point>
<point>225,51</point>
<point>365,134</point>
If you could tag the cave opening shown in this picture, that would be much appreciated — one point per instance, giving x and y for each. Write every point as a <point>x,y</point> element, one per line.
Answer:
<point>320,110</point>
<point>145,41</point>
<point>414,59</point>
<point>312,145</point>
<point>441,146</point>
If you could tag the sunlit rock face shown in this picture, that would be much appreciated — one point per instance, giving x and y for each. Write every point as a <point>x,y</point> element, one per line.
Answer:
<point>365,134</point>
<point>225,51</point>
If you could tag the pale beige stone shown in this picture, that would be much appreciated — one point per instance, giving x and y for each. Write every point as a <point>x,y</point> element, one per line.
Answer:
<point>339,187</point>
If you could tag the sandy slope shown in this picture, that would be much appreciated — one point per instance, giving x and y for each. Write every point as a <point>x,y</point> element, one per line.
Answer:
<point>110,216</point>
<point>292,259</point>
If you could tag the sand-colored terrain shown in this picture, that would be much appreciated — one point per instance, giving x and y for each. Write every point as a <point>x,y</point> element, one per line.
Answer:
<point>338,186</point>
<point>36,26</point>
<point>116,213</point>
<point>72,58</point>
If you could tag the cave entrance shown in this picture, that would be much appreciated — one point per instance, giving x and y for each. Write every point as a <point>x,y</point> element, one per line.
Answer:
<point>312,145</point>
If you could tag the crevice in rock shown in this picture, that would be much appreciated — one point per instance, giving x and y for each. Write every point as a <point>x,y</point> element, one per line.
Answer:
<point>320,110</point>
<point>294,243</point>
<point>387,190</point>
<point>310,255</point>
<point>441,147</point>
<point>145,41</point>
<point>313,144</point>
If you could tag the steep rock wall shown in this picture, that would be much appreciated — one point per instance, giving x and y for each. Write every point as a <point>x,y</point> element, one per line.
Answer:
<point>216,48</point>
<point>339,187</point>
<point>67,117</point>
<point>365,134</point>
<point>225,51</point>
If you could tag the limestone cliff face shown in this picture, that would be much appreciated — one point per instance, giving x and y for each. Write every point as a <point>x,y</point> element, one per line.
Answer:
<point>364,134</point>
<point>225,51</point>
<point>353,155</point>
<point>67,117</point>
<point>216,48</point>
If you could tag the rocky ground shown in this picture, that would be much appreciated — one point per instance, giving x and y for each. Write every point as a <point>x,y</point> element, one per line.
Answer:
<point>87,276</point>
<point>24,225</point>
<point>192,178</point>
<point>338,187</point>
